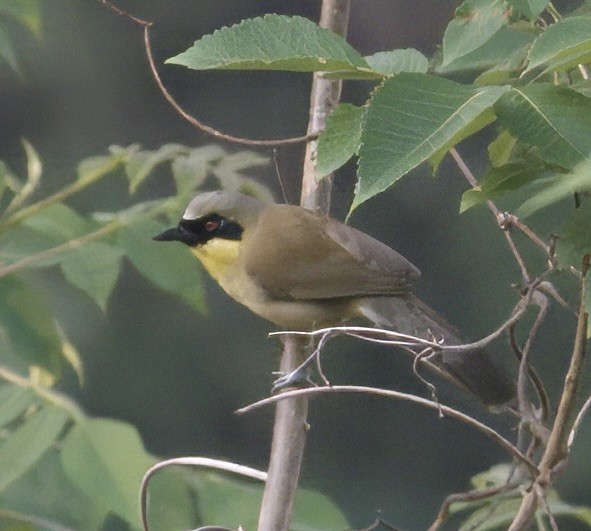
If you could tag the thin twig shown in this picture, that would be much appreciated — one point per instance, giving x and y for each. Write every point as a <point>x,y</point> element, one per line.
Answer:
<point>577,423</point>
<point>448,412</point>
<point>146,24</point>
<point>497,213</point>
<point>471,495</point>
<point>203,462</point>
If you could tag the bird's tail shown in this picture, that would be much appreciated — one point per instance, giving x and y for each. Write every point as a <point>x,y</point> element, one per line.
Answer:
<point>474,370</point>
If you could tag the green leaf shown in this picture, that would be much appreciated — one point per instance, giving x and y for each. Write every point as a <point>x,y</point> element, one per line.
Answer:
<point>231,502</point>
<point>574,237</point>
<point>142,163</point>
<point>396,61</point>
<point>272,42</point>
<point>475,23</point>
<point>556,120</point>
<point>59,223</point>
<point>564,45</point>
<point>171,267</point>
<point>7,50</point>
<point>504,52</point>
<point>502,180</point>
<point>94,269</point>
<point>47,498</point>
<point>27,443</point>
<point>26,12</point>
<point>106,460</point>
<point>530,9</point>
<point>27,325</point>
<point>340,140</point>
<point>190,171</point>
<point>559,188</point>
<point>411,118</point>
<point>14,401</point>
<point>500,149</point>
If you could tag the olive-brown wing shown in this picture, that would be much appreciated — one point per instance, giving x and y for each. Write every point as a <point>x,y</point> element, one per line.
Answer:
<point>294,253</point>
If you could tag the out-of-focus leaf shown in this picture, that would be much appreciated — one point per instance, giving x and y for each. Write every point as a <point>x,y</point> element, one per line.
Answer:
<point>7,51</point>
<point>411,118</point>
<point>59,223</point>
<point>340,140</point>
<point>226,501</point>
<point>26,12</point>
<point>555,120</point>
<point>106,460</point>
<point>396,61</point>
<point>190,170</point>
<point>27,325</point>
<point>168,266</point>
<point>14,401</point>
<point>142,163</point>
<point>272,42</point>
<point>27,443</point>
<point>560,187</point>
<point>229,168</point>
<point>475,23</point>
<point>47,498</point>
<point>530,9</point>
<point>564,45</point>
<point>94,268</point>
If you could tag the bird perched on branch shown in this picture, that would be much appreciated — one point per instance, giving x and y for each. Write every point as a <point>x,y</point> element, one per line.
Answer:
<point>303,271</point>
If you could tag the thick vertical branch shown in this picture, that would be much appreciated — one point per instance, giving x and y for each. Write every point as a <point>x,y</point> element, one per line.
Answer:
<point>289,432</point>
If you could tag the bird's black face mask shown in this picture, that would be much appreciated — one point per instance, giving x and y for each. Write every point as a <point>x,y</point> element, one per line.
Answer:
<point>193,232</point>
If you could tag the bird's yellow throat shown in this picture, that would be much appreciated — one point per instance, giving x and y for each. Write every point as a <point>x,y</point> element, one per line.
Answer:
<point>217,256</point>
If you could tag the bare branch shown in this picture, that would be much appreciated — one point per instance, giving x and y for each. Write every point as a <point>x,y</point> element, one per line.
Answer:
<point>430,404</point>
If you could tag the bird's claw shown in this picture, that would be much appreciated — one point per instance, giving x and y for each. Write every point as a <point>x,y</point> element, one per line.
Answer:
<point>299,377</point>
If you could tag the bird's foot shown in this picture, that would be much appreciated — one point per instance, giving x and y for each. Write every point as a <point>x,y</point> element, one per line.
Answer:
<point>299,377</point>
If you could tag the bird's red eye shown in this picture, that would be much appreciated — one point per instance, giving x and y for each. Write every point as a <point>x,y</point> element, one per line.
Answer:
<point>211,225</point>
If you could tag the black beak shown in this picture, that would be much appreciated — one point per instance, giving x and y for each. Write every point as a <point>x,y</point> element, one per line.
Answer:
<point>169,235</point>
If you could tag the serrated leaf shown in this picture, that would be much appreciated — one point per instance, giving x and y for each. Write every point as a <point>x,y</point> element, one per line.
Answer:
<point>26,323</point>
<point>396,61</point>
<point>560,186</point>
<point>27,443</point>
<point>272,42</point>
<point>564,45</point>
<point>411,118</point>
<point>475,23</point>
<point>14,401</point>
<point>554,119</point>
<point>94,269</point>
<point>172,267</point>
<point>141,163</point>
<point>530,9</point>
<point>26,12</point>
<point>106,460</point>
<point>340,140</point>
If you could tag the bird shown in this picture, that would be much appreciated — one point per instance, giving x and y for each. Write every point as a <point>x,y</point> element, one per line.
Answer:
<point>302,270</point>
